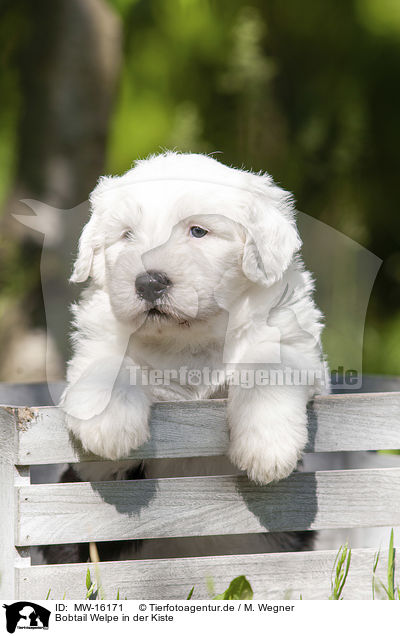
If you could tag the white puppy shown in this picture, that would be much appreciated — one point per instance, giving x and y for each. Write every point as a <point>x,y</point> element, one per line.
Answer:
<point>194,273</point>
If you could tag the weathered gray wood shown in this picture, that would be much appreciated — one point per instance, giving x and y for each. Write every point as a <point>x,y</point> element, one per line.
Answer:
<point>336,422</point>
<point>272,576</point>
<point>37,393</point>
<point>8,554</point>
<point>22,478</point>
<point>194,429</point>
<point>379,383</point>
<point>364,421</point>
<point>196,506</point>
<point>200,506</point>
<point>373,384</point>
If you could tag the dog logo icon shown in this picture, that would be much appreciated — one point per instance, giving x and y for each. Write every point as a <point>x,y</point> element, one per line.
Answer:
<point>26,615</point>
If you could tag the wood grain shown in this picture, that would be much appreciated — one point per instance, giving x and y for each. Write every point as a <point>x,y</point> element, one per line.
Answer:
<point>199,506</point>
<point>272,576</point>
<point>195,506</point>
<point>8,553</point>
<point>190,429</point>
<point>43,393</point>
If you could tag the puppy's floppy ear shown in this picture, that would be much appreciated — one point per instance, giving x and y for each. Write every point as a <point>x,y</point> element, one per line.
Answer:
<point>83,263</point>
<point>90,240</point>
<point>271,234</point>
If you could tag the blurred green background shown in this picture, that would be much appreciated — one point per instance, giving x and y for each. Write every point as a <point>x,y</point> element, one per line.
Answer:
<point>308,91</point>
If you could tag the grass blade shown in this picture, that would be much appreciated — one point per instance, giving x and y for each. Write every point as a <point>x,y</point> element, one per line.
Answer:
<point>340,569</point>
<point>374,573</point>
<point>190,594</point>
<point>88,579</point>
<point>390,569</point>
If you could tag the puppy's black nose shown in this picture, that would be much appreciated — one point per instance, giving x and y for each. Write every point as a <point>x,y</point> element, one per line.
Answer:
<point>152,285</point>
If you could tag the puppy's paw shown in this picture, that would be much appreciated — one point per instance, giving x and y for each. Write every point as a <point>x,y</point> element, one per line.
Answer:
<point>262,463</point>
<point>120,428</point>
<point>268,452</point>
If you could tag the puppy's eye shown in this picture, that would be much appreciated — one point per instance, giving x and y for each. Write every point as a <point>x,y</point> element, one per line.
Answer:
<point>198,232</point>
<point>127,235</point>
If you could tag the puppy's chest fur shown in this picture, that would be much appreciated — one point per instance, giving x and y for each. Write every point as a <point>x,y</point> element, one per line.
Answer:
<point>174,372</point>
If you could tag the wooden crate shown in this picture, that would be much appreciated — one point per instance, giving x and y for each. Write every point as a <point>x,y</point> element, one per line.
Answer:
<point>195,506</point>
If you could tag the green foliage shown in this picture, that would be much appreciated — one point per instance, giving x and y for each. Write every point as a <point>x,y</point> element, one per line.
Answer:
<point>271,86</point>
<point>246,80</point>
<point>340,572</point>
<point>90,586</point>
<point>14,27</point>
<point>381,17</point>
<point>93,588</point>
<point>390,591</point>
<point>239,589</point>
<point>375,565</point>
<point>390,569</point>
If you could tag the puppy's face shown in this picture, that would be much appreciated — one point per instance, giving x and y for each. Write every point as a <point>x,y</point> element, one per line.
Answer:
<point>172,256</point>
<point>179,237</point>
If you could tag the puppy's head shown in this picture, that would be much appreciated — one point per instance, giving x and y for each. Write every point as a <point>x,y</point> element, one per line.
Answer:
<point>162,237</point>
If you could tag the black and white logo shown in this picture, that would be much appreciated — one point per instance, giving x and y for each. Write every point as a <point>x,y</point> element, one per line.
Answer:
<point>26,615</point>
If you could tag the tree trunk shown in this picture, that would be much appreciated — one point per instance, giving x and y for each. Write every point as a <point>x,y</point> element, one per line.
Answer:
<point>68,69</point>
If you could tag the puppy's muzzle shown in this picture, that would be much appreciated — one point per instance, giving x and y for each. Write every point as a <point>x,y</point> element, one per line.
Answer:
<point>152,285</point>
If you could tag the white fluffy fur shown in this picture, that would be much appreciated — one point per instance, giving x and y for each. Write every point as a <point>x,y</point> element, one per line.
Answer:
<point>232,292</point>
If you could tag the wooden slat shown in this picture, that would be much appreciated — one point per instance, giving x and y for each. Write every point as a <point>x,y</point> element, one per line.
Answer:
<point>156,508</point>
<point>372,384</point>
<point>336,422</point>
<point>8,554</point>
<point>38,393</point>
<point>365,421</point>
<point>272,576</point>
<point>178,429</point>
